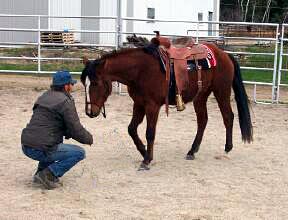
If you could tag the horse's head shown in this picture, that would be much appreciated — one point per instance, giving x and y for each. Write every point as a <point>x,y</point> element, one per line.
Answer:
<point>97,88</point>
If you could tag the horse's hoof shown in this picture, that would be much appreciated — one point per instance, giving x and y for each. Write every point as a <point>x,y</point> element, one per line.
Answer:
<point>190,157</point>
<point>228,148</point>
<point>143,166</point>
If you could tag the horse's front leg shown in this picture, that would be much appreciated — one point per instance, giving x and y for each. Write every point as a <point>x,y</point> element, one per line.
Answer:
<point>137,118</point>
<point>152,112</point>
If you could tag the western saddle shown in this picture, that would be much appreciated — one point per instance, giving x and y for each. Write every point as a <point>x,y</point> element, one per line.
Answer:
<point>178,53</point>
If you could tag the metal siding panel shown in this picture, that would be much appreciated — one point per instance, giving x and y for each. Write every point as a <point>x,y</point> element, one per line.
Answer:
<point>216,15</point>
<point>108,8</point>
<point>130,13</point>
<point>171,9</point>
<point>90,8</point>
<point>31,7</point>
<point>65,8</point>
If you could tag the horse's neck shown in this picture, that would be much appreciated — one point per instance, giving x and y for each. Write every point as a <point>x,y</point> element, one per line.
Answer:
<point>118,70</point>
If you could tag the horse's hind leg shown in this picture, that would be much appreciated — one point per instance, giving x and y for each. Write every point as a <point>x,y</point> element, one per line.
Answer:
<point>137,118</point>
<point>202,118</point>
<point>227,114</point>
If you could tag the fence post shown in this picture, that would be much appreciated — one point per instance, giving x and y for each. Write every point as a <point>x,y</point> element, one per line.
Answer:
<point>119,34</point>
<point>39,45</point>
<point>119,25</point>
<point>280,63</point>
<point>197,33</point>
<point>275,86</point>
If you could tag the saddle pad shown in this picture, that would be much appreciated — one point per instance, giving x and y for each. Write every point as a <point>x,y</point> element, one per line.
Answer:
<point>206,63</point>
<point>210,57</point>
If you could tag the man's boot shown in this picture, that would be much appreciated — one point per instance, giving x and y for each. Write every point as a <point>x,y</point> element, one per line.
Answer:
<point>35,178</point>
<point>46,178</point>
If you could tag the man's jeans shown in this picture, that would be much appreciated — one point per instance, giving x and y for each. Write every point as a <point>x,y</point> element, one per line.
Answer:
<point>59,161</point>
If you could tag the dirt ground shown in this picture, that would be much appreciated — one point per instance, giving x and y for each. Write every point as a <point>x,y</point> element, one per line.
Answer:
<point>249,183</point>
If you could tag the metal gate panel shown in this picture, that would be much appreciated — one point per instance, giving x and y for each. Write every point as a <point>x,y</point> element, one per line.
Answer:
<point>282,70</point>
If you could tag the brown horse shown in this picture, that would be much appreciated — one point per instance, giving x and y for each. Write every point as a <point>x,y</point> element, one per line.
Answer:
<point>147,86</point>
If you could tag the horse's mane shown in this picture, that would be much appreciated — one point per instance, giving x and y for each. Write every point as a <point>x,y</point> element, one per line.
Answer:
<point>121,51</point>
<point>149,48</point>
<point>137,41</point>
<point>141,43</point>
<point>89,70</point>
<point>91,67</point>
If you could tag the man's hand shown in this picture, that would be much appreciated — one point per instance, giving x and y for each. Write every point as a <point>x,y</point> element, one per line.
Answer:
<point>91,143</point>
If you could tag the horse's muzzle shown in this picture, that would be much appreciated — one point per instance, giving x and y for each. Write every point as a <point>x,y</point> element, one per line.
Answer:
<point>91,115</point>
<point>93,112</point>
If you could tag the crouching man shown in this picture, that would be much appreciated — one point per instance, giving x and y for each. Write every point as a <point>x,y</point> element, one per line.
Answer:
<point>54,117</point>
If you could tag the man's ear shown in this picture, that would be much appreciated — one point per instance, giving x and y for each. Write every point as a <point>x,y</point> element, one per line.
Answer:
<point>67,87</point>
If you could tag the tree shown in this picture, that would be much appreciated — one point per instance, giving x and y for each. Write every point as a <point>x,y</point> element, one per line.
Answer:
<point>266,14</point>
<point>254,10</point>
<point>246,9</point>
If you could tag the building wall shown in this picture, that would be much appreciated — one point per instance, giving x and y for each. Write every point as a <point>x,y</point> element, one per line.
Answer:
<point>173,10</point>
<point>164,9</point>
<point>108,8</point>
<point>98,8</point>
<point>65,8</point>
<point>129,13</point>
<point>31,7</point>
<point>90,8</point>
<point>216,16</point>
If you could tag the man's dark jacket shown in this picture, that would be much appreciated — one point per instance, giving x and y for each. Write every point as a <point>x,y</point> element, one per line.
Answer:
<point>54,116</point>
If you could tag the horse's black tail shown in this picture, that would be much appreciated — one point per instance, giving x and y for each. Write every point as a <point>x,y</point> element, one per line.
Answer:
<point>242,103</point>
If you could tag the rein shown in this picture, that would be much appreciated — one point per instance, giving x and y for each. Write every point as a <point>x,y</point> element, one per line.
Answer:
<point>91,103</point>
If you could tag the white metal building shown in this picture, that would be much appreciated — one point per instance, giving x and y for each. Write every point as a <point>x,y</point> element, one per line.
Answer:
<point>194,10</point>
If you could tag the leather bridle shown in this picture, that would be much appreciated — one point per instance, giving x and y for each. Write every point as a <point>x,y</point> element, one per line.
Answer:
<point>91,103</point>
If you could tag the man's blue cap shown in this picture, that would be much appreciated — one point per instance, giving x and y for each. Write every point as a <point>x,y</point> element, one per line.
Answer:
<point>63,77</point>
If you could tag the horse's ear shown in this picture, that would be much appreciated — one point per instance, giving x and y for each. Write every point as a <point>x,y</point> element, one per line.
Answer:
<point>157,33</point>
<point>85,60</point>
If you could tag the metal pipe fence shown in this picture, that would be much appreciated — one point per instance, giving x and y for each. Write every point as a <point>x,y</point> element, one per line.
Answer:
<point>281,68</point>
<point>119,33</point>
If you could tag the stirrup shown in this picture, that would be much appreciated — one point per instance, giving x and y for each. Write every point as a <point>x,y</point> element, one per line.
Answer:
<point>179,103</point>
